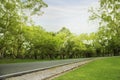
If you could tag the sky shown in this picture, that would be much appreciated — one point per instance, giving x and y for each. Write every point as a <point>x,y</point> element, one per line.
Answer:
<point>72,14</point>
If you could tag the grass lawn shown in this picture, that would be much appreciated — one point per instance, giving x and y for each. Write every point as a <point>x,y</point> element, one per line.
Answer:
<point>7,61</point>
<point>4,61</point>
<point>101,69</point>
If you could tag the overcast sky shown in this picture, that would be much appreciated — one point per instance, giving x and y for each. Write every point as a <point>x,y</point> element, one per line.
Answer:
<point>72,14</point>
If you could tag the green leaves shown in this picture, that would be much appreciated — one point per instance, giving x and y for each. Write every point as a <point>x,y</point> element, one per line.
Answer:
<point>109,26</point>
<point>18,40</point>
<point>34,6</point>
<point>12,25</point>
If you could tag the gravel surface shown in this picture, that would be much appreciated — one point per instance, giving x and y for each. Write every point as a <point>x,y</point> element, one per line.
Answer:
<point>6,69</point>
<point>49,74</point>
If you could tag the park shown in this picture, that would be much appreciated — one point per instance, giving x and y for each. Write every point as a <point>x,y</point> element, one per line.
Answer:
<point>66,40</point>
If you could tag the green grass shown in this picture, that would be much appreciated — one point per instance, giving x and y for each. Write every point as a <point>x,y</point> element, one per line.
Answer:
<point>5,61</point>
<point>101,69</point>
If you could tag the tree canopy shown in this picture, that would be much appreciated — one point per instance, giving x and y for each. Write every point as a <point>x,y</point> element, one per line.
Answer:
<point>20,40</point>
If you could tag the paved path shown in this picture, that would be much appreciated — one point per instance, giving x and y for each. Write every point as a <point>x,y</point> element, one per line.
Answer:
<point>18,68</point>
<point>49,74</point>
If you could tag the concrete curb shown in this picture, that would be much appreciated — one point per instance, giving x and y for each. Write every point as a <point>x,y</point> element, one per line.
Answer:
<point>38,69</point>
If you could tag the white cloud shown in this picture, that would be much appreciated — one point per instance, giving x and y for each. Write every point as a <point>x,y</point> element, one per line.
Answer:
<point>73,17</point>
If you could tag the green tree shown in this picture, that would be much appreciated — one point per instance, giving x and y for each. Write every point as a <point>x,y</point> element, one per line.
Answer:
<point>109,22</point>
<point>12,20</point>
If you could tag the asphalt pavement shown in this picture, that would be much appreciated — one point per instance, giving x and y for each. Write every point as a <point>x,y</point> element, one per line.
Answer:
<point>7,70</point>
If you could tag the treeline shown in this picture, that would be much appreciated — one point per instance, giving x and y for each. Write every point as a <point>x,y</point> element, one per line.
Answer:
<point>18,40</point>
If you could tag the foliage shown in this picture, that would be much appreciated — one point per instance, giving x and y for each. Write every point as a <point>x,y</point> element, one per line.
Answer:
<point>18,39</point>
<point>109,23</point>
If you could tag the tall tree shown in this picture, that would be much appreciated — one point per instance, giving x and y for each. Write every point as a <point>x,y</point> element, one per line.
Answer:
<point>12,18</point>
<point>109,17</point>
